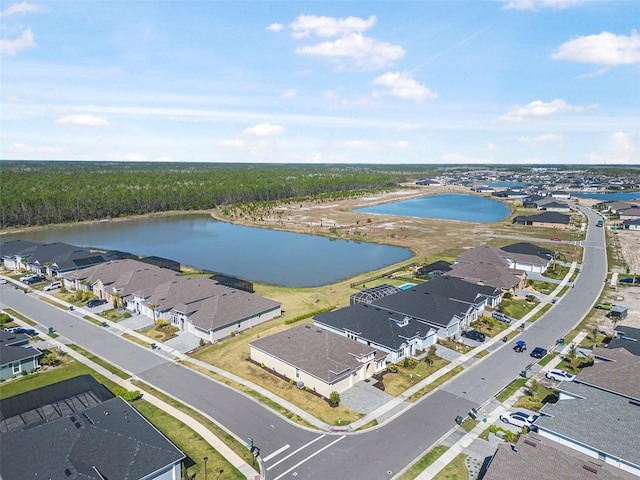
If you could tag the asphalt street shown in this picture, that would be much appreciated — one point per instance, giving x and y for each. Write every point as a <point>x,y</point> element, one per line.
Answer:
<point>293,452</point>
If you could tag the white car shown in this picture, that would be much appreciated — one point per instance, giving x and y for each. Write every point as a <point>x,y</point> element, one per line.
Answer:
<point>559,375</point>
<point>52,286</point>
<point>3,281</point>
<point>519,419</point>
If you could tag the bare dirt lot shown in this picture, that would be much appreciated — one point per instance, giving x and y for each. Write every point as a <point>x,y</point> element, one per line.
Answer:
<point>629,242</point>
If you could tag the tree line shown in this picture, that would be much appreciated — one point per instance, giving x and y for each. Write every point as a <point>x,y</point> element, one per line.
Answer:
<point>42,193</point>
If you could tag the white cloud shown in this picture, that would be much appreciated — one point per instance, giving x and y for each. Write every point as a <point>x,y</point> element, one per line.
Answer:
<point>372,145</point>
<point>275,27</point>
<point>403,85</point>
<point>603,49</point>
<point>492,147</point>
<point>537,109</point>
<point>407,127</point>
<point>539,140</point>
<point>539,4</point>
<point>366,53</point>
<point>331,95</point>
<point>306,25</point>
<point>22,148</point>
<point>622,148</point>
<point>291,93</point>
<point>264,130</point>
<point>12,47</point>
<point>19,8</point>
<point>625,142</point>
<point>83,121</point>
<point>128,157</point>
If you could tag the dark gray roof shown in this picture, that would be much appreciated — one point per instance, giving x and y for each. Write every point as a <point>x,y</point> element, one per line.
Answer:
<point>600,420</point>
<point>457,289</point>
<point>527,248</point>
<point>110,440</point>
<point>627,338</point>
<point>378,325</point>
<point>63,256</point>
<point>550,217</point>
<point>17,247</point>
<point>432,308</point>
<point>318,352</point>
<point>14,348</point>
<point>537,458</point>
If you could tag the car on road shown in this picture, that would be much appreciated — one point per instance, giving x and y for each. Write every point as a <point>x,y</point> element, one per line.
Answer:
<point>538,352</point>
<point>502,317</point>
<point>518,419</point>
<point>96,302</point>
<point>3,281</point>
<point>559,375</point>
<point>556,239</point>
<point>604,306</point>
<point>474,335</point>
<point>520,346</point>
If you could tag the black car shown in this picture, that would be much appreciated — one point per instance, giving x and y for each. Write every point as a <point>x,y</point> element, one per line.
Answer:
<point>96,302</point>
<point>538,352</point>
<point>474,335</point>
<point>630,280</point>
<point>35,279</point>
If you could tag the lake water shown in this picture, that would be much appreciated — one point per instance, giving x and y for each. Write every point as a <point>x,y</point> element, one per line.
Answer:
<point>256,254</point>
<point>608,197</point>
<point>450,206</point>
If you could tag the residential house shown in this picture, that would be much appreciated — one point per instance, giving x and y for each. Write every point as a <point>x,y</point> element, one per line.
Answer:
<point>318,359</point>
<point>429,182</point>
<point>399,336</point>
<point>16,355</point>
<point>545,219</point>
<point>483,189</point>
<point>596,422</point>
<point>434,269</point>
<point>14,254</point>
<point>631,224</point>
<point>196,305</point>
<point>77,429</point>
<point>632,213</point>
<point>536,458</point>
<point>614,206</point>
<point>528,257</point>
<point>560,194</point>
<point>614,370</point>
<point>510,194</point>
<point>551,205</point>
<point>456,289</point>
<point>54,259</point>
<point>487,265</point>
<point>368,295</point>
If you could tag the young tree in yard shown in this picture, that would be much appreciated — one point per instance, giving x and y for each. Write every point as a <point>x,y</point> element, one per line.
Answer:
<point>573,354</point>
<point>431,355</point>
<point>594,335</point>
<point>534,388</point>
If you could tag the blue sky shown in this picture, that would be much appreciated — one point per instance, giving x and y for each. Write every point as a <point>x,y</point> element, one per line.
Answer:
<point>430,82</point>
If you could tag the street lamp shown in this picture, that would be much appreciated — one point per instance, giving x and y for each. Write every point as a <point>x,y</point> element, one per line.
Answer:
<point>205,467</point>
<point>219,473</point>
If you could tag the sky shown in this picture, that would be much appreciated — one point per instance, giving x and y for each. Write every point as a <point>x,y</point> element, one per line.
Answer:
<point>511,82</point>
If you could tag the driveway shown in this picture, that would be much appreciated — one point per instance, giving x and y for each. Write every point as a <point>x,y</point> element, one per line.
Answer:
<point>363,397</point>
<point>183,342</point>
<point>136,322</point>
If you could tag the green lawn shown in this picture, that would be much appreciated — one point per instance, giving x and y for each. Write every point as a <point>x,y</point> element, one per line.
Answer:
<point>99,361</point>
<point>511,389</point>
<point>456,470</point>
<point>516,308</point>
<point>422,464</point>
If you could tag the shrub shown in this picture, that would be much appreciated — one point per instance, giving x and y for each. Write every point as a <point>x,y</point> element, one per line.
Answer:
<point>4,318</point>
<point>334,397</point>
<point>262,365</point>
<point>50,358</point>
<point>233,334</point>
<point>201,343</point>
<point>393,368</point>
<point>292,381</point>
<point>128,395</point>
<point>126,314</point>
<point>405,362</point>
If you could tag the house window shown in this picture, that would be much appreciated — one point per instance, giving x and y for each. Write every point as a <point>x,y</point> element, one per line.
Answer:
<point>15,368</point>
<point>602,456</point>
<point>297,373</point>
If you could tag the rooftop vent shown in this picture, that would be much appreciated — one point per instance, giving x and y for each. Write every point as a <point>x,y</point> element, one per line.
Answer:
<point>529,442</point>
<point>589,467</point>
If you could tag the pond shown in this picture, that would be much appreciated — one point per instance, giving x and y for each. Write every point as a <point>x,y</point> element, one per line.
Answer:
<point>450,206</point>
<point>256,254</point>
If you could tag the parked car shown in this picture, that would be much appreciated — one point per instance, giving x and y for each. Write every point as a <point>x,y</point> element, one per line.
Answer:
<point>96,302</point>
<point>502,317</point>
<point>34,279</point>
<point>538,352</point>
<point>556,239</point>
<point>519,419</point>
<point>604,305</point>
<point>474,335</point>
<point>3,281</point>
<point>520,346</point>
<point>52,286</point>
<point>630,280</point>
<point>559,375</point>
<point>26,278</point>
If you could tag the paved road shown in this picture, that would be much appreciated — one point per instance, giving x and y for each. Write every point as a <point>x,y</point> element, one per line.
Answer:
<point>291,452</point>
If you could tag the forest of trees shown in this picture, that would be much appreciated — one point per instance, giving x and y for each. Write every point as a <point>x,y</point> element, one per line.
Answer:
<point>42,193</point>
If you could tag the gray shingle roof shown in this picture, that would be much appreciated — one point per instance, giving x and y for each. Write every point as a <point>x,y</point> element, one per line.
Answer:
<point>603,421</point>
<point>458,289</point>
<point>536,458</point>
<point>618,375</point>
<point>550,217</point>
<point>111,438</point>
<point>14,348</point>
<point>18,247</point>
<point>318,352</point>
<point>528,249</point>
<point>378,325</point>
<point>484,254</point>
<point>487,274</point>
